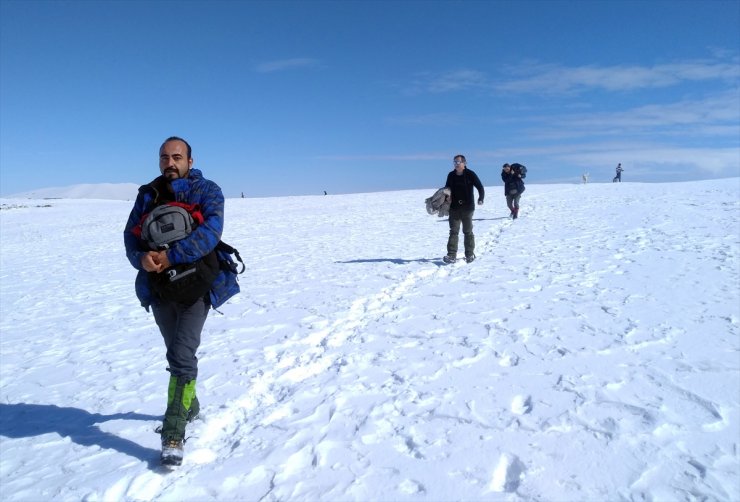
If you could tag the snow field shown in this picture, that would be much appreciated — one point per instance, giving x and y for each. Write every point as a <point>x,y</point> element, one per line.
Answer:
<point>589,353</point>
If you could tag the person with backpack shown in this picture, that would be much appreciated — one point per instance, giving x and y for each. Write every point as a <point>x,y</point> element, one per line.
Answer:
<point>513,177</point>
<point>618,177</point>
<point>179,306</point>
<point>460,182</point>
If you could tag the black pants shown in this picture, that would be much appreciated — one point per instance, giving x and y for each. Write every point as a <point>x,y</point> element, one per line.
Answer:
<point>512,202</point>
<point>458,217</point>
<point>181,326</point>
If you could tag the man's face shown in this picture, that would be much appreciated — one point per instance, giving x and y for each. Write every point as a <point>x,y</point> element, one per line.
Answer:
<point>459,164</point>
<point>173,160</point>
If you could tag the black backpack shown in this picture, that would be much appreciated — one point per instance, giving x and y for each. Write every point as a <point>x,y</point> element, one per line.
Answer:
<point>519,169</point>
<point>185,282</point>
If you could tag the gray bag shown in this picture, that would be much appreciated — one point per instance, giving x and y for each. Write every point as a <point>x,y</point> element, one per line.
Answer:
<point>166,224</point>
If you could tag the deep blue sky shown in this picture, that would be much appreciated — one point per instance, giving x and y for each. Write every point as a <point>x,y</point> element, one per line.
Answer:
<point>297,97</point>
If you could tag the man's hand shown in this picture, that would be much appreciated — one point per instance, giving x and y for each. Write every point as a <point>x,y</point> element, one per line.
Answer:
<point>151,262</point>
<point>480,202</point>
<point>163,261</point>
<point>155,261</point>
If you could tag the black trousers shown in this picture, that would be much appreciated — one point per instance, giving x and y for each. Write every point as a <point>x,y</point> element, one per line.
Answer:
<point>512,201</point>
<point>462,217</point>
<point>181,326</point>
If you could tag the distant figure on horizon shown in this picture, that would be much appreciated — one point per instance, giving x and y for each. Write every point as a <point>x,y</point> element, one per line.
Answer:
<point>584,177</point>
<point>511,175</point>
<point>325,193</point>
<point>461,181</point>
<point>618,177</point>
<point>242,195</point>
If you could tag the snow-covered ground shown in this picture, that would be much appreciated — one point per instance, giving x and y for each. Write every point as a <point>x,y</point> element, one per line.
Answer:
<point>592,352</point>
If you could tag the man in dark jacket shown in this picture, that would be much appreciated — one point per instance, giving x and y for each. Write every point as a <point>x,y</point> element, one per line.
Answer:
<point>618,176</point>
<point>180,324</point>
<point>513,188</point>
<point>461,181</point>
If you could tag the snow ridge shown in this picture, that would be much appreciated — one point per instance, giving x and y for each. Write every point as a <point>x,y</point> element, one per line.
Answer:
<point>105,191</point>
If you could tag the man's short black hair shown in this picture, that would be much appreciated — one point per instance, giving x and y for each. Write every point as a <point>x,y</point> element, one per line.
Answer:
<point>178,138</point>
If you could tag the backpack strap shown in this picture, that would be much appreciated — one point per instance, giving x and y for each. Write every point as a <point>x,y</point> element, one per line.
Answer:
<point>222,246</point>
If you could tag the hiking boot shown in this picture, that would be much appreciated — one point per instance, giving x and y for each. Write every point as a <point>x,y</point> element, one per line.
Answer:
<point>449,259</point>
<point>470,259</point>
<point>172,452</point>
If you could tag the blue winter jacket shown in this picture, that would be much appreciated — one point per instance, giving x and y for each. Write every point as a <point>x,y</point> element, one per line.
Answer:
<point>194,189</point>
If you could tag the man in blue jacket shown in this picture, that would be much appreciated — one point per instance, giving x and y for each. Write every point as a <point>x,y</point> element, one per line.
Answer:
<point>461,181</point>
<point>180,324</point>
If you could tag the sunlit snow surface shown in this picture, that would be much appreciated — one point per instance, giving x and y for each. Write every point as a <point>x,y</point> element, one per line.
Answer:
<point>591,352</point>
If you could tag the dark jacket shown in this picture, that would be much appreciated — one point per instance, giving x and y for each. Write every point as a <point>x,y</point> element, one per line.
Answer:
<point>194,189</point>
<point>461,187</point>
<point>512,182</point>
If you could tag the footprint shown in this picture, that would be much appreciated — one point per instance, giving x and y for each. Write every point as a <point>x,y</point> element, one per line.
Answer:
<point>410,487</point>
<point>202,456</point>
<point>507,360</point>
<point>521,405</point>
<point>508,474</point>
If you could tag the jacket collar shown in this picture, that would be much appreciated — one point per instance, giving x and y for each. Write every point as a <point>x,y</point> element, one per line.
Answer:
<point>159,187</point>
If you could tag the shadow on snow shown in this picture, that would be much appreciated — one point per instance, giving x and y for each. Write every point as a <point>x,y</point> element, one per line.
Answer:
<point>446,220</point>
<point>20,420</point>
<point>397,261</point>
